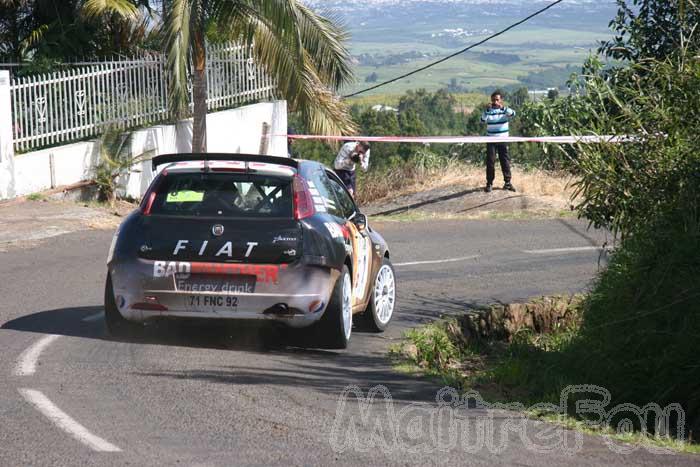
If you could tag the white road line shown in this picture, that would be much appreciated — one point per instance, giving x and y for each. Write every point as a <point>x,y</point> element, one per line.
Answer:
<point>563,250</point>
<point>95,317</point>
<point>66,423</point>
<point>437,261</point>
<point>26,365</point>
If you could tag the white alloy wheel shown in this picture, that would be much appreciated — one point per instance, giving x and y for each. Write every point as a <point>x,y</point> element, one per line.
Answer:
<point>347,306</point>
<point>384,294</point>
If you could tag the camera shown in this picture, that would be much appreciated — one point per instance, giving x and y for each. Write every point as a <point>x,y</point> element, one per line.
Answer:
<point>355,158</point>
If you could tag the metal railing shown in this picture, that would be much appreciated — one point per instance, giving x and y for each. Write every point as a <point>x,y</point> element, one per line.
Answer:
<point>80,102</point>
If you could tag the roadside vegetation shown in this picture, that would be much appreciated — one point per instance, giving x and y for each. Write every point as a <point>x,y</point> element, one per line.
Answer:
<point>115,164</point>
<point>639,327</point>
<point>529,368</point>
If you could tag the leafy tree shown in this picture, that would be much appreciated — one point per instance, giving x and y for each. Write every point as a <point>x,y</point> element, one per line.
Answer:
<point>372,77</point>
<point>376,123</point>
<point>454,86</point>
<point>629,186</point>
<point>435,111</point>
<point>379,122</point>
<point>14,25</point>
<point>519,97</point>
<point>652,29</point>
<point>51,32</point>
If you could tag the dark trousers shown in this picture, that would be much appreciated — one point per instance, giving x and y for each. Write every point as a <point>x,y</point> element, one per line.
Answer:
<point>502,150</point>
<point>348,178</point>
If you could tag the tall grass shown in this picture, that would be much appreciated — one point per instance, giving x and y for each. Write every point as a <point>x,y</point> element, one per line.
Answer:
<point>416,175</point>
<point>422,167</point>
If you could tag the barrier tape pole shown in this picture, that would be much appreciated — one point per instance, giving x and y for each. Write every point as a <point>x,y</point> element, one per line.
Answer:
<point>472,139</point>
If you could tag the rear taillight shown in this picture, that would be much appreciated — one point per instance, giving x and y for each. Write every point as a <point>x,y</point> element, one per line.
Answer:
<point>149,303</point>
<point>147,202</point>
<point>149,306</point>
<point>303,201</point>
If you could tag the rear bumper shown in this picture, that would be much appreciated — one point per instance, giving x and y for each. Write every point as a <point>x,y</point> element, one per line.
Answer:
<point>295,294</point>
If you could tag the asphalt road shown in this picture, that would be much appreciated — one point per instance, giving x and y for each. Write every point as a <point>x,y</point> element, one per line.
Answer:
<point>215,395</point>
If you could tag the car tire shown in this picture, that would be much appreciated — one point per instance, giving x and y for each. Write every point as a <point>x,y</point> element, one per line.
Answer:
<point>382,300</point>
<point>116,324</point>
<point>335,326</point>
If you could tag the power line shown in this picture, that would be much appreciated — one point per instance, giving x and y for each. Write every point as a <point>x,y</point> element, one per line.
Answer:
<point>503,31</point>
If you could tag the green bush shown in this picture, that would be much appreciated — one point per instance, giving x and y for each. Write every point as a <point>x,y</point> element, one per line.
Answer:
<point>434,348</point>
<point>639,338</point>
<point>641,323</point>
<point>641,331</point>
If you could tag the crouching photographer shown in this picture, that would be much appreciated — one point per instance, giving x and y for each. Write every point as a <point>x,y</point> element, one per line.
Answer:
<point>354,152</point>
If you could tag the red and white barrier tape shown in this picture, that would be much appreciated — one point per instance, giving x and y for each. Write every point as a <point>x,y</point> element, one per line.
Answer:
<point>470,139</point>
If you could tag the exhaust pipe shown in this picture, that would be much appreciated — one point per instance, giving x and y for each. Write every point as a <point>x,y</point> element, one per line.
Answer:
<point>282,310</point>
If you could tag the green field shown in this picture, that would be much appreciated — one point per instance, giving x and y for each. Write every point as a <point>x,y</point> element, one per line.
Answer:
<point>538,49</point>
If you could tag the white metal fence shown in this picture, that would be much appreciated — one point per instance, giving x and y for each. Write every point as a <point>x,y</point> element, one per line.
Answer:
<point>80,102</point>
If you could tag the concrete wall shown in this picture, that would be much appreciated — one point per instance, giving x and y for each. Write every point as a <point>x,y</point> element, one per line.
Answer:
<point>235,130</point>
<point>6,149</point>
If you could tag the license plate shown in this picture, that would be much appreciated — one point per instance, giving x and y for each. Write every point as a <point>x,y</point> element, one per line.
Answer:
<point>210,302</point>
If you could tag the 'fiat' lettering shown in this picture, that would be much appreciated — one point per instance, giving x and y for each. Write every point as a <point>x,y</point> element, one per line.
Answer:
<point>225,250</point>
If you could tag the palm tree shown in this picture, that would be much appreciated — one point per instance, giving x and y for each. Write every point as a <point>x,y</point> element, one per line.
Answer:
<point>303,51</point>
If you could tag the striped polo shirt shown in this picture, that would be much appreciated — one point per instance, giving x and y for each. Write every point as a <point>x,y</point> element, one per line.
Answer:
<point>497,121</point>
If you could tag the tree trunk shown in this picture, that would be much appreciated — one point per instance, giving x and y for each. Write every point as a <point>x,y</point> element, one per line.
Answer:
<point>199,94</point>
<point>14,39</point>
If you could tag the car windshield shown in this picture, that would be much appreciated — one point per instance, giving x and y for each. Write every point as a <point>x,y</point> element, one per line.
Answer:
<point>223,195</point>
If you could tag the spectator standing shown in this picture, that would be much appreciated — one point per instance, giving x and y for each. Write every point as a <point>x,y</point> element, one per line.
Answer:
<point>497,116</point>
<point>350,154</point>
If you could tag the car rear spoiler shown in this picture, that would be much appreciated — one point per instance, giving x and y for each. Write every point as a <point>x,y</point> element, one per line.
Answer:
<point>169,158</point>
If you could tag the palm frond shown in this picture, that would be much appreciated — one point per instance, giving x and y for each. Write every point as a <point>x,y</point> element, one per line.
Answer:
<point>177,46</point>
<point>123,8</point>
<point>239,19</point>
<point>299,82</point>
<point>324,39</point>
<point>322,109</point>
<point>34,37</point>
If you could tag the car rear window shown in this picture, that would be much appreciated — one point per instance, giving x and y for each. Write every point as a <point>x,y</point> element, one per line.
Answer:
<point>223,195</point>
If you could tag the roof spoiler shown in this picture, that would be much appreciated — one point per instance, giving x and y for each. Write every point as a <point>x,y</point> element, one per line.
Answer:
<point>169,158</point>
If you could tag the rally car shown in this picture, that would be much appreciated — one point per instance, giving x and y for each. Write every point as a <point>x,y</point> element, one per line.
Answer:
<point>246,237</point>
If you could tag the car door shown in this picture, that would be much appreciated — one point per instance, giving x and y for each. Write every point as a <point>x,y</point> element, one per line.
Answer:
<point>360,241</point>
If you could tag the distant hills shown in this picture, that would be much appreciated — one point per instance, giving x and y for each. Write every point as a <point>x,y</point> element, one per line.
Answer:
<point>586,14</point>
<point>341,3</point>
<point>393,36</point>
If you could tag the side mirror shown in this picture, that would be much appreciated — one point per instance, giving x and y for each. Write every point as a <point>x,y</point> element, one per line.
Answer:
<point>360,221</point>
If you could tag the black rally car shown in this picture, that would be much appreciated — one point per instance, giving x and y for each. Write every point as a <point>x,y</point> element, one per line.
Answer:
<point>229,236</point>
